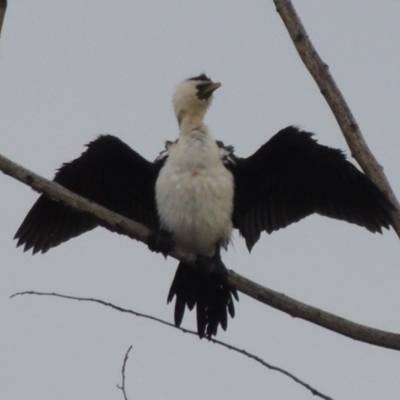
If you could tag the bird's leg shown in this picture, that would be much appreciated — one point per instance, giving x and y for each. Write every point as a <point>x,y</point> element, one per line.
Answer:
<point>213,265</point>
<point>160,241</point>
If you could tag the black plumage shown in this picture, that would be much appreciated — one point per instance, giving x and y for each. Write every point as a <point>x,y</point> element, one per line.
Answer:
<point>292,176</point>
<point>110,173</point>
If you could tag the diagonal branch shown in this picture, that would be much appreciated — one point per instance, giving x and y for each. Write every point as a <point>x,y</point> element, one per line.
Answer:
<point>118,223</point>
<point>267,296</point>
<point>314,391</point>
<point>3,8</point>
<point>340,109</point>
<point>315,315</point>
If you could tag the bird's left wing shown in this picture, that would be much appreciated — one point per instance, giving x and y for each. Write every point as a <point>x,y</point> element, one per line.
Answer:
<point>110,173</point>
<point>292,176</point>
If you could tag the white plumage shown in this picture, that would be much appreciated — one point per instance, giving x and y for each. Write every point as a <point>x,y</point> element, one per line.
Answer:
<point>194,192</point>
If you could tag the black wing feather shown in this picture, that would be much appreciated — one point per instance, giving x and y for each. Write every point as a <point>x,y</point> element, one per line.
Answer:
<point>292,176</point>
<point>110,173</point>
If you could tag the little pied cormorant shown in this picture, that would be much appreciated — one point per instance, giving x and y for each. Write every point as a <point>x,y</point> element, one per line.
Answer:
<point>197,191</point>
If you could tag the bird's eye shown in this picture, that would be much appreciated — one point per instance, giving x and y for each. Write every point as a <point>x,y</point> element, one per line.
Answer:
<point>202,92</point>
<point>202,86</point>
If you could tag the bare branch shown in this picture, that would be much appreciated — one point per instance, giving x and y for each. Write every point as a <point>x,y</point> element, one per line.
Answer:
<point>274,368</point>
<point>122,387</point>
<point>117,222</point>
<point>3,7</point>
<point>327,320</point>
<point>219,342</point>
<point>267,296</point>
<point>348,124</point>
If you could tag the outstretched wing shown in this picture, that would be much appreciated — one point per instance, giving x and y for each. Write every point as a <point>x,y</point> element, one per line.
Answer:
<point>292,176</point>
<point>110,173</point>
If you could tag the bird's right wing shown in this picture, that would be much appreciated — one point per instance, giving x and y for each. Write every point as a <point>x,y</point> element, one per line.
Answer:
<point>292,176</point>
<point>110,173</point>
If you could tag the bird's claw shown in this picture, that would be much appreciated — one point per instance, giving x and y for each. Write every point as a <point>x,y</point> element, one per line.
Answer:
<point>212,266</point>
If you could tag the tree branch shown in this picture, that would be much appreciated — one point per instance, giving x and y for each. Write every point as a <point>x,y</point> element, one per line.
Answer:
<point>327,320</point>
<point>347,123</point>
<point>139,232</point>
<point>117,222</point>
<point>3,8</point>
<point>122,387</point>
<point>146,316</point>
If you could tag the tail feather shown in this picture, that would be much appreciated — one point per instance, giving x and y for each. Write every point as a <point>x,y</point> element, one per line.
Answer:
<point>209,292</point>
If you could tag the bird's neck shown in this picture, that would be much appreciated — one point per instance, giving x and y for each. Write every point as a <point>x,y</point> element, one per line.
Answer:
<point>191,122</point>
<point>195,133</point>
<point>196,146</point>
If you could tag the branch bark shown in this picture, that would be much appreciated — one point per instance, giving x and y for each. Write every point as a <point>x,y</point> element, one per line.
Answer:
<point>267,296</point>
<point>340,109</point>
<point>3,7</point>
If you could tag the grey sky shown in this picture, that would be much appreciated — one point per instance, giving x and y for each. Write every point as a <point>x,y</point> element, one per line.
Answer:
<point>70,70</point>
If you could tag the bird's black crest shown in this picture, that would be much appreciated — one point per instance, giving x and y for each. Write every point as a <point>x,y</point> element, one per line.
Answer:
<point>202,77</point>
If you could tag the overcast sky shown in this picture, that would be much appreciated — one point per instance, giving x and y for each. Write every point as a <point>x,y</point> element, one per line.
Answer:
<point>70,70</point>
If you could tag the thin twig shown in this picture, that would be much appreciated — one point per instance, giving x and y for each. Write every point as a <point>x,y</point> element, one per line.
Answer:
<point>219,342</point>
<point>267,296</point>
<point>340,109</point>
<point>273,368</point>
<point>122,387</point>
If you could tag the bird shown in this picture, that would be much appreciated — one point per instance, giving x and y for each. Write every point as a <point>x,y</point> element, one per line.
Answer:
<point>197,191</point>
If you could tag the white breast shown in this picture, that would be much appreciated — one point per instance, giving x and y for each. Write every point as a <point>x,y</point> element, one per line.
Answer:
<point>194,194</point>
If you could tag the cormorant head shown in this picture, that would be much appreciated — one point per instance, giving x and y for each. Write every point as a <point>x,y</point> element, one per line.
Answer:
<point>193,96</point>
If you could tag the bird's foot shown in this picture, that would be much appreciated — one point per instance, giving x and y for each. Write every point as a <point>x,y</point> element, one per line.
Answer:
<point>212,266</point>
<point>160,241</point>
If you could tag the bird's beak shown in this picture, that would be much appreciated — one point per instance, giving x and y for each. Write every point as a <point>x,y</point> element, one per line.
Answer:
<point>207,89</point>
